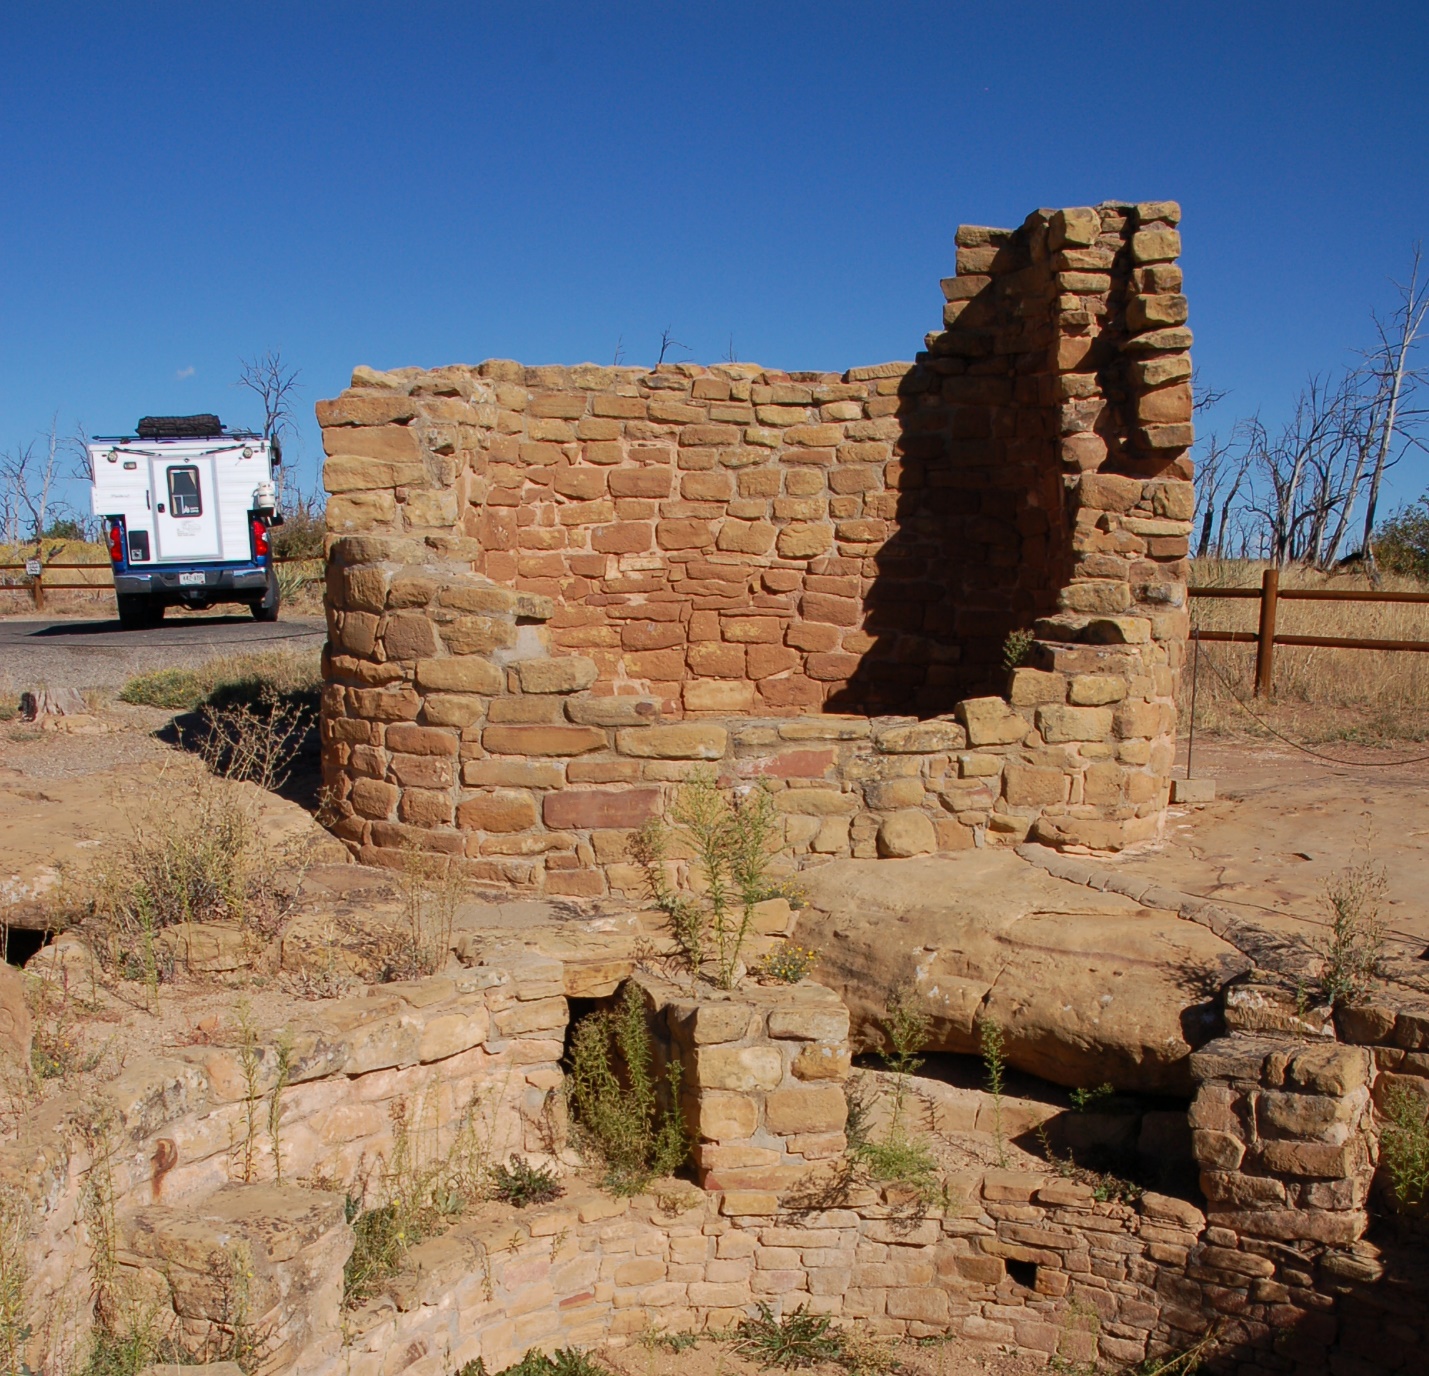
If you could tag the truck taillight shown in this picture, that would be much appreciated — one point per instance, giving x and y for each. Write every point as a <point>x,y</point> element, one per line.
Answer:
<point>260,538</point>
<point>116,541</point>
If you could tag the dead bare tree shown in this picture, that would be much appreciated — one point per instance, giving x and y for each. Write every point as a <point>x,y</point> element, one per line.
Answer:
<point>668,342</point>
<point>1283,493</point>
<point>1397,382</point>
<point>29,478</point>
<point>1220,475</point>
<point>275,384</point>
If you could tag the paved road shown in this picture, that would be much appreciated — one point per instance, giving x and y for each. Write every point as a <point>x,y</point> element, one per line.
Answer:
<point>76,653</point>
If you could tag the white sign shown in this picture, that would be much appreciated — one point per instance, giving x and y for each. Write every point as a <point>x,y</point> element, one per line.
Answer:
<point>33,568</point>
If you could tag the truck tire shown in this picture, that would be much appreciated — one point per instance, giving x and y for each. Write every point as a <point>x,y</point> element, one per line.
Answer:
<point>136,612</point>
<point>267,609</point>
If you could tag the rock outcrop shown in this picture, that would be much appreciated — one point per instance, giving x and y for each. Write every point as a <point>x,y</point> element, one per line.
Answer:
<point>1087,986</point>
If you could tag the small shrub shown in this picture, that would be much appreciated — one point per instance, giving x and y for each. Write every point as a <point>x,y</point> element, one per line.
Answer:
<point>175,690</point>
<point>1401,544</point>
<point>899,1156</point>
<point>564,1361</point>
<point>1086,1100</point>
<point>422,1187</point>
<point>616,1101</point>
<point>1404,1145</point>
<point>787,964</point>
<point>520,1183</point>
<point>431,890</point>
<point>1352,952</point>
<point>730,837</point>
<point>799,1339</point>
<point>1015,649</point>
<point>866,1354</point>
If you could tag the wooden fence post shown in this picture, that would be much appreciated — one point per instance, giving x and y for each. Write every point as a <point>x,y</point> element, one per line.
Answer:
<point>1265,646</point>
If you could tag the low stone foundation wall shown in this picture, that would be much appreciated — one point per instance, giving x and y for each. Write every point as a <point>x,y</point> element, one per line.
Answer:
<point>1020,1260</point>
<point>1289,1263</point>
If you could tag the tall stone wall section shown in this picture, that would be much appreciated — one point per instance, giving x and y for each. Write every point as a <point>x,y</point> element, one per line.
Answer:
<point>731,544</point>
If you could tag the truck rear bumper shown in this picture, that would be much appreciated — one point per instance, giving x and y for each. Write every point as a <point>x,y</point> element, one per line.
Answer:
<point>247,578</point>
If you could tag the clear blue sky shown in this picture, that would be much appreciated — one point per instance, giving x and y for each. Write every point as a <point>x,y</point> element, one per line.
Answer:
<point>184,184</point>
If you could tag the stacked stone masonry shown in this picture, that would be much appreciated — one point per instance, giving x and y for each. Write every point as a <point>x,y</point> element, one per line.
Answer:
<point>1276,1261</point>
<point>553,591</point>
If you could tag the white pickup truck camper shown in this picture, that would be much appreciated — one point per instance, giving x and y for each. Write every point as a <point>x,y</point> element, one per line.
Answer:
<point>187,508</point>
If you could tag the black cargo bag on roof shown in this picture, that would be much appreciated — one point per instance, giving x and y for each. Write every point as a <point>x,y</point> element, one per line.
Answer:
<point>205,427</point>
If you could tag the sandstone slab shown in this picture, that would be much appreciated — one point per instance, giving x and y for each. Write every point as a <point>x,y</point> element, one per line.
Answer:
<point>1088,987</point>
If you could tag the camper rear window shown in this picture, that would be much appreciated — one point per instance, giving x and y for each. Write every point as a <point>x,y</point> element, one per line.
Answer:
<point>184,499</point>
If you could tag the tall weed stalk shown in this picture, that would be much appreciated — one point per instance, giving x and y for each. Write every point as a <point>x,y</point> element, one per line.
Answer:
<point>730,838</point>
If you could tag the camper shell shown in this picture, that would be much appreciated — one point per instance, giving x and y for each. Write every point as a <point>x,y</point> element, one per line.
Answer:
<point>187,507</point>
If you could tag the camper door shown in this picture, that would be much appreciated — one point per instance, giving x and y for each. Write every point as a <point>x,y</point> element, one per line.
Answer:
<point>185,498</point>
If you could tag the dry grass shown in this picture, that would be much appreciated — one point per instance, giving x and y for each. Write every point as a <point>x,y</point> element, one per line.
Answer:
<point>228,680</point>
<point>1367,697</point>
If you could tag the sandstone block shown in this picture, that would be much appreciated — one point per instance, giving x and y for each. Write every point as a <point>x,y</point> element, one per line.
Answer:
<point>721,1116</point>
<point>894,793</point>
<point>1096,690</point>
<point>990,721</point>
<point>827,1022</point>
<point>613,711</point>
<point>742,1068</point>
<point>746,537</point>
<point>1076,227</point>
<point>460,674</point>
<point>395,443</point>
<point>372,798</point>
<point>718,695</point>
<point>921,738</point>
<point>818,1061</point>
<point>1156,245</point>
<point>905,834</point>
<point>501,810</point>
<point>542,740</point>
<point>601,808</point>
<point>804,540</point>
<point>566,674</point>
<point>452,709</point>
<point>1156,312</point>
<point>477,635</point>
<point>1065,724</point>
<point>679,741</point>
<point>1031,687</point>
<point>348,511</point>
<point>818,1109</point>
<point>816,802</point>
<point>683,534</point>
<point>1028,786</point>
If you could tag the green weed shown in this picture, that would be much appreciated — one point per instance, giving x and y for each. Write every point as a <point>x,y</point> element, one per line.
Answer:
<point>990,1040</point>
<point>1404,1145</point>
<point>799,1339</point>
<point>616,1100</point>
<point>520,1183</point>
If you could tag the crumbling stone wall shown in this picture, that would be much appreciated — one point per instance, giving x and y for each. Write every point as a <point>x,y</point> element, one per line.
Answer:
<point>719,544</point>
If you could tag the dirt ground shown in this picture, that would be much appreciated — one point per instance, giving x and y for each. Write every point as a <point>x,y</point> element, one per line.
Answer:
<point>712,1357</point>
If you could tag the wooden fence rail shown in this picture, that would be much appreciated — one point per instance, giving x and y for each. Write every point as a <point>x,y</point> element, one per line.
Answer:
<point>1269,595</point>
<point>37,587</point>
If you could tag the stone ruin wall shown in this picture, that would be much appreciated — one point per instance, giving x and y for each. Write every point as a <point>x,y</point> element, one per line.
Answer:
<point>1276,1257</point>
<point>554,591</point>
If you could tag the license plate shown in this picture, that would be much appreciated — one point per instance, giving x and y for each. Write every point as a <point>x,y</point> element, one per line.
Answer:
<point>192,580</point>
